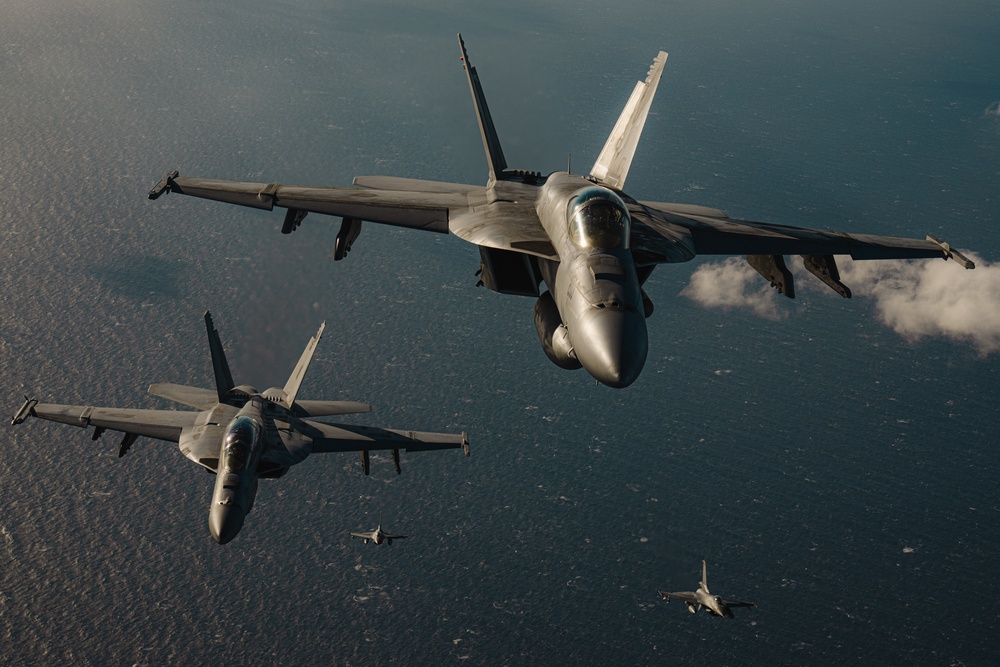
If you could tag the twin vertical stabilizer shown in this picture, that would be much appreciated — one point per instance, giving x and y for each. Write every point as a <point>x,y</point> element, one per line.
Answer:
<point>223,378</point>
<point>299,374</point>
<point>615,159</point>
<point>491,142</point>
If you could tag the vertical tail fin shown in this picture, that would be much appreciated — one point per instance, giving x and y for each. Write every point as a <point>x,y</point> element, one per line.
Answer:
<point>299,374</point>
<point>615,159</point>
<point>491,142</point>
<point>223,378</point>
<point>704,575</point>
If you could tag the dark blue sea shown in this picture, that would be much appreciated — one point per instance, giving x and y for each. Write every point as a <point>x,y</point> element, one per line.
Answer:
<point>834,461</point>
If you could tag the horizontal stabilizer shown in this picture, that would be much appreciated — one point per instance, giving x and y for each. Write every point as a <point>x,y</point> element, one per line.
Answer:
<point>329,408</point>
<point>203,399</point>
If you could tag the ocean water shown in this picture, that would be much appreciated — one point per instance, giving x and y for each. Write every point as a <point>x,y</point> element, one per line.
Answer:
<point>837,473</point>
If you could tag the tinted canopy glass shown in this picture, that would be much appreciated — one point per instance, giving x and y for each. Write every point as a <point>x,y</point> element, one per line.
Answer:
<point>240,441</point>
<point>598,219</point>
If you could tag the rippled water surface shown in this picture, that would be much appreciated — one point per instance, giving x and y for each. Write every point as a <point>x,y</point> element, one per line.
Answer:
<point>838,475</point>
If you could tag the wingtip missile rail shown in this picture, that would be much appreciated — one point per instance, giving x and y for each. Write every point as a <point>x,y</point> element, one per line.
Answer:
<point>951,253</point>
<point>27,409</point>
<point>164,184</point>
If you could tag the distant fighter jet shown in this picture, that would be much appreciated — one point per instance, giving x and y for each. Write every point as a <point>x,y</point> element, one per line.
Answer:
<point>241,434</point>
<point>378,535</point>
<point>713,604</point>
<point>591,244</point>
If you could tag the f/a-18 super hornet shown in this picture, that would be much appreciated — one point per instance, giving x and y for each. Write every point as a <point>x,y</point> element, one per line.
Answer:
<point>378,536</point>
<point>243,435</point>
<point>713,604</point>
<point>589,243</point>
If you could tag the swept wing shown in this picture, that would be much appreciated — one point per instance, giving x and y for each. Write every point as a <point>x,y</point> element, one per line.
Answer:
<point>349,438</point>
<point>503,217</point>
<point>712,232</point>
<point>683,596</point>
<point>415,209</point>
<point>192,430</point>
<point>159,424</point>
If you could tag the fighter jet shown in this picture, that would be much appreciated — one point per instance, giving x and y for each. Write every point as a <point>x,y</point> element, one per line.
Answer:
<point>590,244</point>
<point>378,535</point>
<point>713,604</point>
<point>241,434</point>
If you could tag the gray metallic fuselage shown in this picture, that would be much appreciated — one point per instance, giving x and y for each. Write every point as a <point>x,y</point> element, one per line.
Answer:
<point>242,435</point>
<point>236,480</point>
<point>711,603</point>
<point>591,245</point>
<point>596,290</point>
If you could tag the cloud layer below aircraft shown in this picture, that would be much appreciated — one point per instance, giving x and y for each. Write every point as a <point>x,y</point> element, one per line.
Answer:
<point>916,299</point>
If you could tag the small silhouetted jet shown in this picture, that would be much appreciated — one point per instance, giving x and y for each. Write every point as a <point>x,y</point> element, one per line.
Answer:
<point>592,245</point>
<point>713,604</point>
<point>378,535</point>
<point>241,434</point>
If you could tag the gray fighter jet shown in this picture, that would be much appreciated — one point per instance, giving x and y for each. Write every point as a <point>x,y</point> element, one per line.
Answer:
<point>713,604</point>
<point>592,245</point>
<point>243,435</point>
<point>378,536</point>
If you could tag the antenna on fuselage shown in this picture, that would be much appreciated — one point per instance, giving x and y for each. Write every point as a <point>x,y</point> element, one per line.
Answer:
<point>569,163</point>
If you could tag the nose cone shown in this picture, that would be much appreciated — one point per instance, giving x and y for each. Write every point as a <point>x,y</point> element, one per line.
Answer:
<point>225,522</point>
<point>611,343</point>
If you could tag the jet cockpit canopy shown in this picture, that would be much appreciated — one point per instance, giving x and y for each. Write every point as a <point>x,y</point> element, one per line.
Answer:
<point>598,218</point>
<point>240,441</point>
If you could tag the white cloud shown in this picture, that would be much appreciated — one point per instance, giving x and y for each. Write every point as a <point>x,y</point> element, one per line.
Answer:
<point>733,284</point>
<point>916,299</point>
<point>932,298</point>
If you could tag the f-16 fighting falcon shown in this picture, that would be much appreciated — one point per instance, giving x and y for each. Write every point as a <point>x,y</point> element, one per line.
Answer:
<point>378,536</point>
<point>589,243</point>
<point>242,434</point>
<point>713,604</point>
